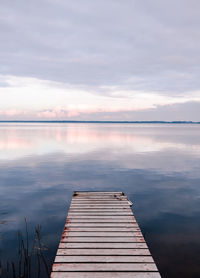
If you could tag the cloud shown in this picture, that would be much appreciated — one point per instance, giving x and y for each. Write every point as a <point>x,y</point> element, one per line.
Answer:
<point>32,98</point>
<point>141,54</point>
<point>136,45</point>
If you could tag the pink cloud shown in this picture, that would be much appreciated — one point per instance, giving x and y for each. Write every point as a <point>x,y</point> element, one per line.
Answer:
<point>66,113</point>
<point>12,112</point>
<point>57,113</point>
<point>63,113</point>
<point>73,114</point>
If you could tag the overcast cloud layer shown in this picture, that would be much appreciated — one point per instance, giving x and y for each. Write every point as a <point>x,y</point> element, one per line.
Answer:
<point>100,60</point>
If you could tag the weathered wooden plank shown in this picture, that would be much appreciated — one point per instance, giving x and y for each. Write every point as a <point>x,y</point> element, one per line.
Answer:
<point>113,200</point>
<point>101,245</point>
<point>97,206</point>
<point>98,192</point>
<point>107,252</point>
<point>99,196</point>
<point>103,197</point>
<point>103,229</point>
<point>93,199</point>
<point>103,201</point>
<point>100,203</point>
<point>116,217</point>
<point>93,239</point>
<point>113,226</point>
<point>106,259</point>
<point>115,213</point>
<point>102,220</point>
<point>97,209</point>
<point>114,206</point>
<point>101,234</point>
<point>105,274</point>
<point>100,210</point>
<point>104,267</point>
<point>77,193</point>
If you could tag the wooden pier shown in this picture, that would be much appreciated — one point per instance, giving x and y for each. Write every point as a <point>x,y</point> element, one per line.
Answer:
<point>101,239</point>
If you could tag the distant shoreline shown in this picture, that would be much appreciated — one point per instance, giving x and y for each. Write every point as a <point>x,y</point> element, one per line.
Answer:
<point>107,122</point>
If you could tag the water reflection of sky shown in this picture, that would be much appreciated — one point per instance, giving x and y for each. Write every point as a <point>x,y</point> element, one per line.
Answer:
<point>158,166</point>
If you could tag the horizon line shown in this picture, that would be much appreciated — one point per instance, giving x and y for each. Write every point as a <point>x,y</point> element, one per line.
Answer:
<point>98,121</point>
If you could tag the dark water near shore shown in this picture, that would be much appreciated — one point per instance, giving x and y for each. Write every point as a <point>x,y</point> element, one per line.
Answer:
<point>156,165</point>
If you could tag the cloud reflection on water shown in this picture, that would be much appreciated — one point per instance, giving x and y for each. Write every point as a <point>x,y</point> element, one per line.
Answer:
<point>157,166</point>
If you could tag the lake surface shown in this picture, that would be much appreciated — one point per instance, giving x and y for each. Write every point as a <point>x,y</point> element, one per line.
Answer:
<point>156,165</point>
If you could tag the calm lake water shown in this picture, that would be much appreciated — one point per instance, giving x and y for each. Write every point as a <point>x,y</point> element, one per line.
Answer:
<point>156,165</point>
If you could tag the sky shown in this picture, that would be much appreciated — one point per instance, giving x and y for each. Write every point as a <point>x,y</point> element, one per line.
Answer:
<point>100,60</point>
